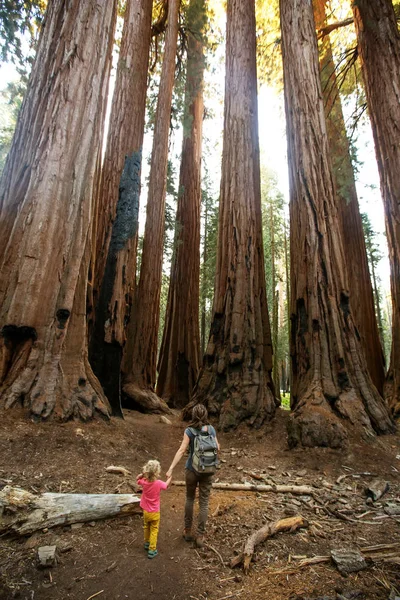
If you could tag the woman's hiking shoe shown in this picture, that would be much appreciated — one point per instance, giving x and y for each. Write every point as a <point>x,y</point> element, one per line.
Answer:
<point>187,535</point>
<point>152,553</point>
<point>146,545</point>
<point>199,541</point>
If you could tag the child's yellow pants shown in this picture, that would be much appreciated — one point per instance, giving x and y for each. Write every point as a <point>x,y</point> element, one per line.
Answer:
<point>151,526</point>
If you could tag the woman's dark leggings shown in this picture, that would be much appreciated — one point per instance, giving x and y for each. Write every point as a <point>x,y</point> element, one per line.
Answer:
<point>204,482</point>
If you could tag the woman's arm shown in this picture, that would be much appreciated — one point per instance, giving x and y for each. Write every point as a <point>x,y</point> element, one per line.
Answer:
<point>179,454</point>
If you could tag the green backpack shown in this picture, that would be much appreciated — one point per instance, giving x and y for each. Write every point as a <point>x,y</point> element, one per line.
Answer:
<point>205,452</point>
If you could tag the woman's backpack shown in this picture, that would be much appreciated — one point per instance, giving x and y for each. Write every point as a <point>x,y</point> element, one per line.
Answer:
<point>205,452</point>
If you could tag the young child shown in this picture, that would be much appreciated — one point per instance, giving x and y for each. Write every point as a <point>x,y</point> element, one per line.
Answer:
<point>150,503</point>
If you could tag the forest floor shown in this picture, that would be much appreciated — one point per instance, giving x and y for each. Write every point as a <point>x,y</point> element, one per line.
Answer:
<point>106,560</point>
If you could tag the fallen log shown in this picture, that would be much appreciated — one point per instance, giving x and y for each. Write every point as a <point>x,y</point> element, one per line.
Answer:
<point>118,470</point>
<point>289,524</point>
<point>302,490</point>
<point>23,513</point>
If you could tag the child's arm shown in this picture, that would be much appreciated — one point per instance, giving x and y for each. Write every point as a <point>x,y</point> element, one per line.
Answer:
<point>168,482</point>
<point>140,476</point>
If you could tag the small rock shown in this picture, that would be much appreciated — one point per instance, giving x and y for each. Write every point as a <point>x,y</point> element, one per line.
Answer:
<point>77,525</point>
<point>392,509</point>
<point>164,419</point>
<point>79,432</point>
<point>348,560</point>
<point>376,489</point>
<point>47,556</point>
<point>302,473</point>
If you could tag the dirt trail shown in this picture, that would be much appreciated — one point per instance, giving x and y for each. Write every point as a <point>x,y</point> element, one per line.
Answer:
<point>108,557</point>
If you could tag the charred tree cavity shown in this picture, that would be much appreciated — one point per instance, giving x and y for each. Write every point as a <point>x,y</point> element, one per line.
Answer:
<point>105,350</point>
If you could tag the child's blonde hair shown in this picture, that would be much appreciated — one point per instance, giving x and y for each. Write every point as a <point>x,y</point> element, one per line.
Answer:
<point>152,470</point>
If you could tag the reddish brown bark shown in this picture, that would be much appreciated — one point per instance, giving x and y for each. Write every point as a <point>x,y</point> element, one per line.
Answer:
<point>235,381</point>
<point>179,361</point>
<point>379,49</point>
<point>46,192</point>
<point>362,299</point>
<point>114,256</point>
<point>331,384</point>
<point>140,358</point>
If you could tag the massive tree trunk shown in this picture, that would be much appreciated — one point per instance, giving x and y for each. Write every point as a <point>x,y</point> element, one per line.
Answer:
<point>235,381</point>
<point>140,359</point>
<point>331,384</point>
<point>362,300</point>
<point>379,49</point>
<point>179,361</point>
<point>118,203</point>
<point>46,192</point>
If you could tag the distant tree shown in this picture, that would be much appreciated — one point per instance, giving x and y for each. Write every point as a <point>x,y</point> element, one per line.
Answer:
<point>330,381</point>
<point>16,18</point>
<point>46,214</point>
<point>235,382</point>
<point>179,360</point>
<point>379,47</point>
<point>140,358</point>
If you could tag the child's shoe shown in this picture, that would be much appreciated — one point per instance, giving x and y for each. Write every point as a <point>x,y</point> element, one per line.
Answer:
<point>187,535</point>
<point>152,553</point>
<point>146,545</point>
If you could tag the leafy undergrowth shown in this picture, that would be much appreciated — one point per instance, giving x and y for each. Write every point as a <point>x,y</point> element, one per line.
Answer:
<point>107,558</point>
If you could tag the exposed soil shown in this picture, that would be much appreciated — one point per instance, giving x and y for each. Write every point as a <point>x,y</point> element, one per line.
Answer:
<point>108,556</point>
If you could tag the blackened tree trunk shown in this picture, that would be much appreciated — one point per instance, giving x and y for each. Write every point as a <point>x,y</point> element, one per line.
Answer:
<point>331,383</point>
<point>114,260</point>
<point>179,360</point>
<point>379,49</point>
<point>235,382</point>
<point>362,300</point>
<point>46,192</point>
<point>140,360</point>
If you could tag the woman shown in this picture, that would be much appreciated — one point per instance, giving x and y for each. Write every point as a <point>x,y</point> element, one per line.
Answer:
<point>192,478</point>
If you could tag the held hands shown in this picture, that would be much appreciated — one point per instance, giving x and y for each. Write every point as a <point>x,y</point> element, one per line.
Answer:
<point>139,476</point>
<point>169,473</point>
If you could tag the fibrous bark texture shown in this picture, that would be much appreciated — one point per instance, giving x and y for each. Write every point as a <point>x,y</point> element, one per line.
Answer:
<point>140,358</point>
<point>235,382</point>
<point>331,383</point>
<point>362,299</point>
<point>179,361</point>
<point>379,49</point>
<point>117,201</point>
<point>46,193</point>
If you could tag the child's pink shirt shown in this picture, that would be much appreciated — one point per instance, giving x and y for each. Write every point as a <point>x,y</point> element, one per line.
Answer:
<point>150,501</point>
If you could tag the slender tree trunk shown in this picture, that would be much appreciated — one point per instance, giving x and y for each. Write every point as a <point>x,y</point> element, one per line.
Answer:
<point>179,361</point>
<point>287,275</point>
<point>379,49</point>
<point>331,383</point>
<point>203,291</point>
<point>46,192</point>
<point>235,381</point>
<point>140,359</point>
<point>275,303</point>
<point>362,300</point>
<point>114,259</point>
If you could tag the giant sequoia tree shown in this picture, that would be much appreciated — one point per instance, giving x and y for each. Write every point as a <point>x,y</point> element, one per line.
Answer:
<point>331,383</point>
<point>45,203</point>
<point>362,300</point>
<point>117,201</point>
<point>180,349</point>
<point>140,360</point>
<point>379,48</point>
<point>235,381</point>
